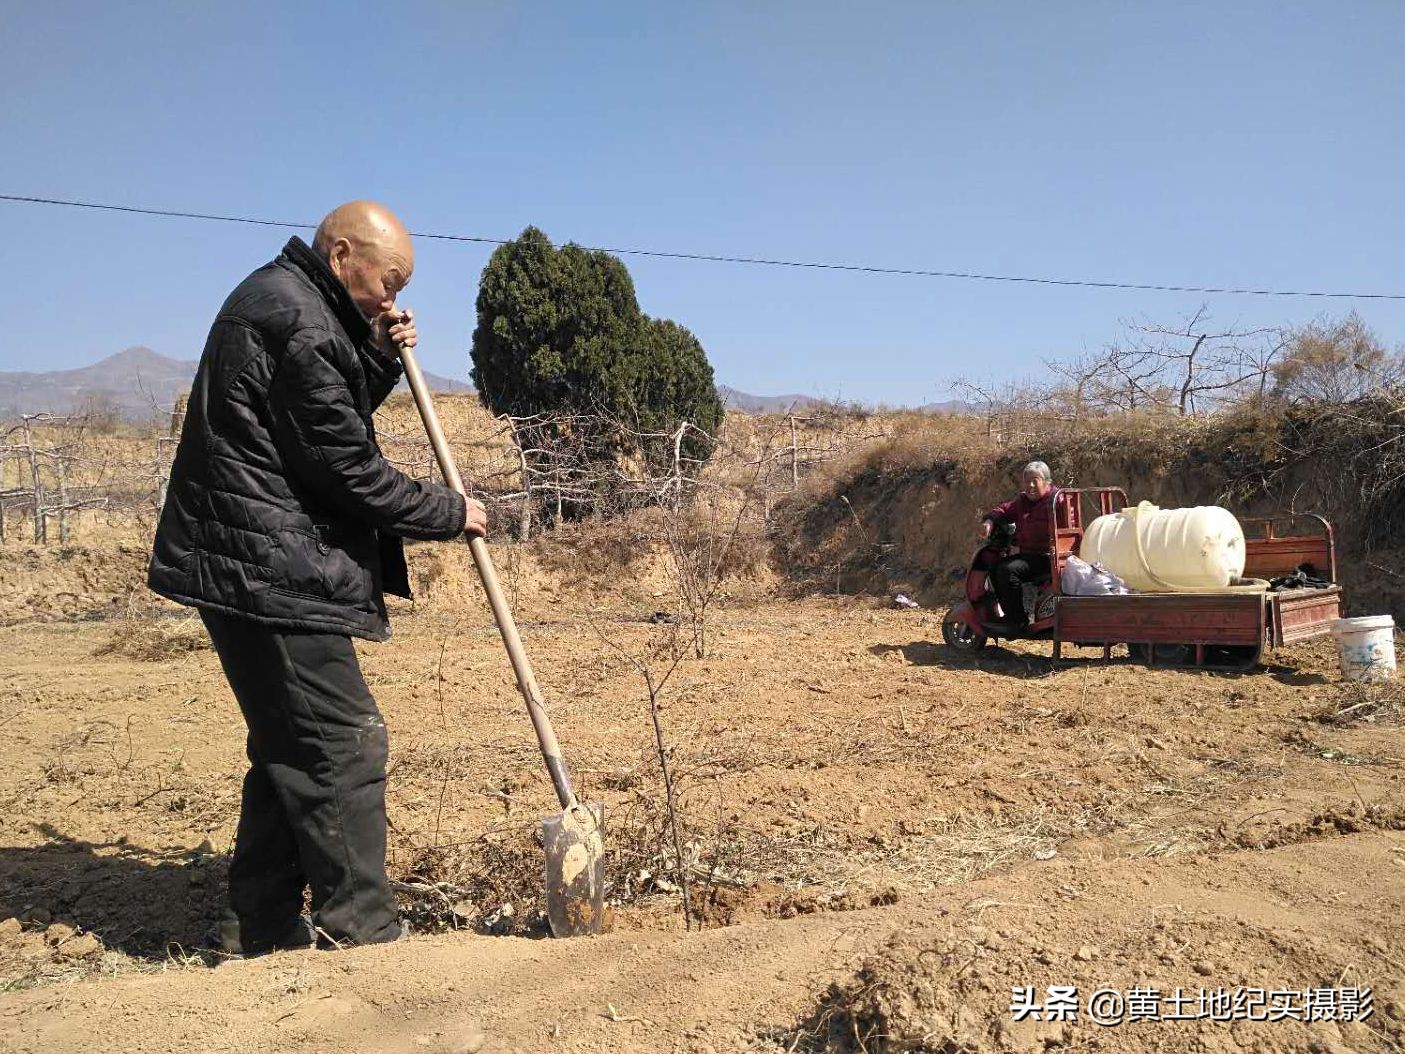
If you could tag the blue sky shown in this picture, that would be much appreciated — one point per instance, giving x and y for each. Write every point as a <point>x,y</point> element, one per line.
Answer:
<point>1205,143</point>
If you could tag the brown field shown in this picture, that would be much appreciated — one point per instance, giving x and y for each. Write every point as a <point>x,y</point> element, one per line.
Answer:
<point>881,839</point>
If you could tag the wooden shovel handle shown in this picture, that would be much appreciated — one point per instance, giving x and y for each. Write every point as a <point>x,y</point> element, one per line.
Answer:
<point>507,626</point>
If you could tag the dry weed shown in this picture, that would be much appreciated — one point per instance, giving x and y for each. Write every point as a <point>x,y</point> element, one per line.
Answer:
<point>18,974</point>
<point>1367,701</point>
<point>156,638</point>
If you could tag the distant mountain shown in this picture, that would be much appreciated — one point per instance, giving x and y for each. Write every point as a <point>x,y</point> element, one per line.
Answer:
<point>444,385</point>
<point>136,382</point>
<point>733,399</point>
<point>951,406</point>
<point>131,384</point>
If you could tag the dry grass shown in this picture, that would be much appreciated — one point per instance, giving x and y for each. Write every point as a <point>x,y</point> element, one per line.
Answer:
<point>1367,701</point>
<point>857,501</point>
<point>18,973</point>
<point>156,639</point>
<point>600,544</point>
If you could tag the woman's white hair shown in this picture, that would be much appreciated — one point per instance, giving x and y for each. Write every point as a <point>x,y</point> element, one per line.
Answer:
<point>1039,469</point>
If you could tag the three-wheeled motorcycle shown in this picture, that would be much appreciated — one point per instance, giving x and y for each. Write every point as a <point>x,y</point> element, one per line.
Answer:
<point>1228,630</point>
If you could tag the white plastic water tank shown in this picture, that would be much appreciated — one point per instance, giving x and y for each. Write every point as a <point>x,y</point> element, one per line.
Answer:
<point>1159,550</point>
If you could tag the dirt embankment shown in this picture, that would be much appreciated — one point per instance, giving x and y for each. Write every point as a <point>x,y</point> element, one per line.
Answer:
<point>846,504</point>
<point>901,516</point>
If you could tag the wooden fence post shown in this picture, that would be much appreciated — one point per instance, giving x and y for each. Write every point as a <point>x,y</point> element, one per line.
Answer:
<point>4,489</point>
<point>524,528</point>
<point>36,482</point>
<point>61,472</point>
<point>794,457</point>
<point>162,471</point>
<point>178,415</point>
<point>678,466</point>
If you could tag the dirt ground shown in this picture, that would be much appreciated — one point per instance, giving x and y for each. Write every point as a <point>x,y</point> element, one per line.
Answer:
<point>884,839</point>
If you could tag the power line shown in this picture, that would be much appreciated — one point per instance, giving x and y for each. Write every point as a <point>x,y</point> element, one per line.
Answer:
<point>757,260</point>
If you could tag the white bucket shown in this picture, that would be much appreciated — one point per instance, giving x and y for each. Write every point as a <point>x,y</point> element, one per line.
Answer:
<point>1366,647</point>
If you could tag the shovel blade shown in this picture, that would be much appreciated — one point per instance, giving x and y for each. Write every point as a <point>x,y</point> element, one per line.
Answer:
<point>575,871</point>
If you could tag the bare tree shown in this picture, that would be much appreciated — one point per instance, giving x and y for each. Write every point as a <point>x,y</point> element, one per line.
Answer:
<point>1336,362</point>
<point>1014,410</point>
<point>1189,367</point>
<point>45,478</point>
<point>657,665</point>
<point>1186,368</point>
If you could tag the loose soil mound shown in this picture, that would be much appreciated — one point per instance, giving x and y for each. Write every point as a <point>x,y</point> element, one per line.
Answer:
<point>1267,922</point>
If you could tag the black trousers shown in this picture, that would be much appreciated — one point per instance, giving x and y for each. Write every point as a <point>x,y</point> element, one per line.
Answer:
<point>1010,575</point>
<point>313,811</point>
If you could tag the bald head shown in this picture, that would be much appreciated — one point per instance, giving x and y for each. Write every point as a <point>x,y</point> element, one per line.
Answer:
<point>369,249</point>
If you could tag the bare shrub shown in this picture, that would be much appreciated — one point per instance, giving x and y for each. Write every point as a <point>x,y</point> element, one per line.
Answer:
<point>1336,362</point>
<point>603,545</point>
<point>1184,368</point>
<point>1368,701</point>
<point>492,884</point>
<point>656,666</point>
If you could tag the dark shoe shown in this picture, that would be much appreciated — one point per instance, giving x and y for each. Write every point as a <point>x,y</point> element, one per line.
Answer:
<point>326,943</point>
<point>1008,630</point>
<point>225,939</point>
<point>300,935</point>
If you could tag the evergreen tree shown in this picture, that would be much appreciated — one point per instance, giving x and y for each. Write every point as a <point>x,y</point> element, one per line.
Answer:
<point>560,332</point>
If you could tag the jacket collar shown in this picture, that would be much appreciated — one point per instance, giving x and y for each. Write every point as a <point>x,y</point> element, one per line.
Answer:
<point>353,319</point>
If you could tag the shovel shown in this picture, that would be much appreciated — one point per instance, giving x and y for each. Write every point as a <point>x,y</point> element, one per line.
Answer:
<point>575,853</point>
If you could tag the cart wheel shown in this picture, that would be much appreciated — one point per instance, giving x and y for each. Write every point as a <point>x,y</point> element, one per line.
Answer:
<point>959,635</point>
<point>1163,655</point>
<point>1234,657</point>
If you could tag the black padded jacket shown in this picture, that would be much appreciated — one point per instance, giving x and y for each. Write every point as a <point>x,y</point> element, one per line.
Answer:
<point>280,506</point>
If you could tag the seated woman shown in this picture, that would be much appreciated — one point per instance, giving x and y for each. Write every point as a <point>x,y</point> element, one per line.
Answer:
<point>1031,513</point>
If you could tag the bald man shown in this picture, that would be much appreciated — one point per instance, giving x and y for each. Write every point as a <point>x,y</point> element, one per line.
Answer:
<point>283,525</point>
